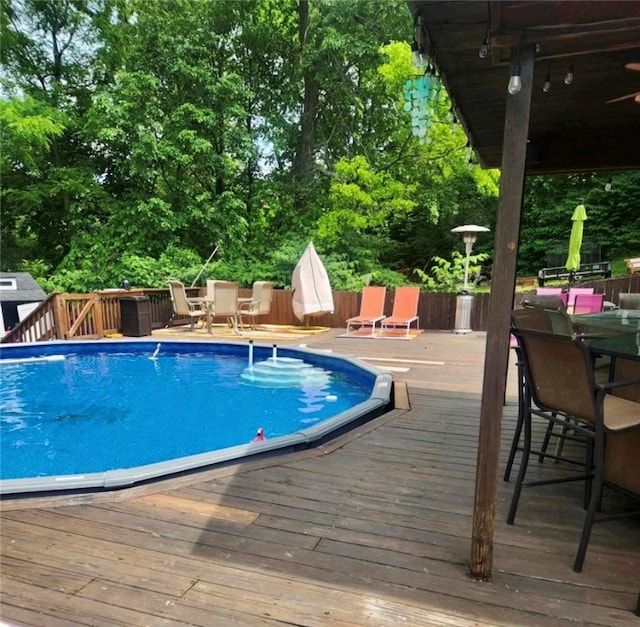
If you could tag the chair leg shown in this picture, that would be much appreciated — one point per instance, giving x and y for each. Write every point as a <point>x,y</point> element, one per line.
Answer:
<point>560,442</point>
<point>526,451</point>
<point>518,431</point>
<point>596,450</point>
<point>590,472</point>
<point>545,442</point>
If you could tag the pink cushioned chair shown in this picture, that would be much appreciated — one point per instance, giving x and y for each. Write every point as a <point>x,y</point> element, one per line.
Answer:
<point>588,303</point>
<point>573,292</point>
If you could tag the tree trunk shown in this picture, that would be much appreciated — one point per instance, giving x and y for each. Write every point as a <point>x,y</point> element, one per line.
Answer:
<point>303,161</point>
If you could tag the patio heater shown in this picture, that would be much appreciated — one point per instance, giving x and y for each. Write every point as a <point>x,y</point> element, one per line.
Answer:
<point>464,300</point>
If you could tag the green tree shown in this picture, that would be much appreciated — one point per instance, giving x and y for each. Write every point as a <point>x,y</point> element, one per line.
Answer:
<point>612,218</point>
<point>49,56</point>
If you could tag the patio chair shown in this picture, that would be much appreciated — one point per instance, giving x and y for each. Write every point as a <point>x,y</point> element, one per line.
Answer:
<point>629,301</point>
<point>560,379</point>
<point>530,316</point>
<point>183,306</point>
<point>371,309</point>
<point>551,320</point>
<point>549,291</point>
<point>573,292</point>
<point>588,303</point>
<point>548,301</point>
<point>259,305</point>
<point>405,309</point>
<point>223,301</point>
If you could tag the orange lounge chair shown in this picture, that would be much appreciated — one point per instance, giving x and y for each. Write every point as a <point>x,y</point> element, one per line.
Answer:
<point>371,309</point>
<point>405,309</point>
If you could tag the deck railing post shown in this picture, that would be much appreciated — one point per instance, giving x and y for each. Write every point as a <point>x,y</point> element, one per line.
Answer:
<point>61,317</point>
<point>97,315</point>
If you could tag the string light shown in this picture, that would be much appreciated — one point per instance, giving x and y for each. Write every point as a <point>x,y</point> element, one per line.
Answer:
<point>546,87</point>
<point>483,52</point>
<point>515,82</point>
<point>568,78</point>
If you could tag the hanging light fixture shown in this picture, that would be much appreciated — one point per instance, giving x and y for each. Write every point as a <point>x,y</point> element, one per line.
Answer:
<point>483,52</point>
<point>485,46</point>
<point>417,55</point>
<point>515,82</point>
<point>568,77</point>
<point>469,152</point>
<point>546,86</point>
<point>608,184</point>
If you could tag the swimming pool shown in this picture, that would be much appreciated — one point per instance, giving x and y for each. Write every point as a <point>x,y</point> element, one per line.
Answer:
<point>110,414</point>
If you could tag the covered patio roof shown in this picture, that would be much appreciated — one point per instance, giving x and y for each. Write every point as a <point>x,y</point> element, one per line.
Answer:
<point>572,127</point>
<point>590,123</point>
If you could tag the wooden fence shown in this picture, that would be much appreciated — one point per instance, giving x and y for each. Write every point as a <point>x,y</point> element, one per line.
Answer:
<point>94,316</point>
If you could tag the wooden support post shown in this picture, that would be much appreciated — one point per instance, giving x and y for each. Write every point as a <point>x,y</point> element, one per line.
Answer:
<point>61,317</point>
<point>514,152</point>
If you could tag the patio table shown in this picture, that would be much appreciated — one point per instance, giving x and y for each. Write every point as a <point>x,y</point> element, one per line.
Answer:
<point>208,303</point>
<point>613,321</point>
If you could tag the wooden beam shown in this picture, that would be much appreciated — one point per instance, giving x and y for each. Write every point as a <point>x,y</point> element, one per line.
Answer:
<point>497,348</point>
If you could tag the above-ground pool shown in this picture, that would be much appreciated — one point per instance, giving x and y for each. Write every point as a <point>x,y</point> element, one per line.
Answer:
<point>104,415</point>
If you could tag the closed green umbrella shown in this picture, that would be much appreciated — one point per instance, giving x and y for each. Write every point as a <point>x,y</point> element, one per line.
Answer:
<point>575,241</point>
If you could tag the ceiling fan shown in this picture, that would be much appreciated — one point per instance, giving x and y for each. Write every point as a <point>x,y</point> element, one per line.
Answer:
<point>636,94</point>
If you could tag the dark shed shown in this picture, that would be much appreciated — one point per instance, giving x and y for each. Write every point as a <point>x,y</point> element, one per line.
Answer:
<point>16,288</point>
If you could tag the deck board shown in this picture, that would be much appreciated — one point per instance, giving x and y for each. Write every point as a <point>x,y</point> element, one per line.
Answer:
<point>372,528</point>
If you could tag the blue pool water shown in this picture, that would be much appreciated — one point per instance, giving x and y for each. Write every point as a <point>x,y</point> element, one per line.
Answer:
<point>80,414</point>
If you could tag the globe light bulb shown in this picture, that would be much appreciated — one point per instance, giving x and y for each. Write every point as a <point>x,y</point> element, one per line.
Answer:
<point>568,78</point>
<point>515,84</point>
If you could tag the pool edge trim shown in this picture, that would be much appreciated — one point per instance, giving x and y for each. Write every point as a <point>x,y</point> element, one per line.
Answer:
<point>379,400</point>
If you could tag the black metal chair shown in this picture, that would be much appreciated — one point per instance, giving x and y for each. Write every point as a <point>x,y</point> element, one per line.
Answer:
<point>545,301</point>
<point>560,380</point>
<point>542,313</point>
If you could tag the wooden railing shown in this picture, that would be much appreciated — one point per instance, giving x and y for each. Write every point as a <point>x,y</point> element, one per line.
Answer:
<point>39,326</point>
<point>97,315</point>
<point>611,288</point>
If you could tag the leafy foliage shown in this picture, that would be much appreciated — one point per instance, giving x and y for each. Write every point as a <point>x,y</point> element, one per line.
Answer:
<point>138,136</point>
<point>612,216</point>
<point>448,275</point>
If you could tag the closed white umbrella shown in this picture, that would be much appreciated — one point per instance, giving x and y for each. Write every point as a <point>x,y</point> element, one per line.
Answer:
<point>312,293</point>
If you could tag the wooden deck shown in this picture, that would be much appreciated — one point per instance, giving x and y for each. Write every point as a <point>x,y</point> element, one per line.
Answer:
<point>370,529</point>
